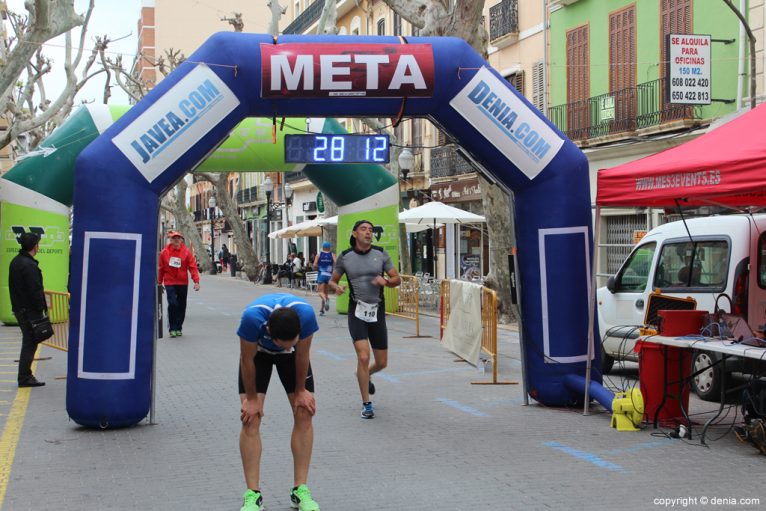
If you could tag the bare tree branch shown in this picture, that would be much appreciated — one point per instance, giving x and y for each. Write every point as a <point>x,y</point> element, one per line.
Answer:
<point>48,19</point>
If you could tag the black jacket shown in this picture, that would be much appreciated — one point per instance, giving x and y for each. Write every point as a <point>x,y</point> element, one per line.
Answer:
<point>25,282</point>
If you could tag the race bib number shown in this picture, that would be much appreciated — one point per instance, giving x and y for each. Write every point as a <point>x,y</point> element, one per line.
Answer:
<point>366,311</point>
<point>175,262</point>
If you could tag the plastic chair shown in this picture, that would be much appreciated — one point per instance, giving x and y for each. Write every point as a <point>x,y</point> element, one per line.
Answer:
<point>311,281</point>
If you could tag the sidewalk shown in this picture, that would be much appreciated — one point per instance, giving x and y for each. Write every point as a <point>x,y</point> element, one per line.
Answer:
<point>437,442</point>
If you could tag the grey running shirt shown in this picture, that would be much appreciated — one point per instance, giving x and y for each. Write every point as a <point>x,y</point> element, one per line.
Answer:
<point>361,269</point>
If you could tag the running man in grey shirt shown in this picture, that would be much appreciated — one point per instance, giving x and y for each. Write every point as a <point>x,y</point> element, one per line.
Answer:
<point>365,266</point>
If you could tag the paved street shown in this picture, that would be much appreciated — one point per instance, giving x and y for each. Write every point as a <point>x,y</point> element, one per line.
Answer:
<point>437,441</point>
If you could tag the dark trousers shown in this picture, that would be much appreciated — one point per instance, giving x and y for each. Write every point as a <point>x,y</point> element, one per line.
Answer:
<point>176,306</point>
<point>28,349</point>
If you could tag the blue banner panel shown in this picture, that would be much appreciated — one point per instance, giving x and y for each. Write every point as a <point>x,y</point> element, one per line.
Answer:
<point>566,270</point>
<point>112,263</point>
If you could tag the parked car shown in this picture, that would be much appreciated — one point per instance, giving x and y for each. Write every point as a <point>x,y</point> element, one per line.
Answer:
<point>699,258</point>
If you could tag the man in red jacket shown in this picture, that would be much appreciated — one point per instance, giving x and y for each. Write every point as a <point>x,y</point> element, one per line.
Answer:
<point>175,261</point>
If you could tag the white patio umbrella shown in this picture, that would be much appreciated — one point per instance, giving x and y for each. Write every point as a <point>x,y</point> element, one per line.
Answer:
<point>333,220</point>
<point>305,228</point>
<point>434,213</point>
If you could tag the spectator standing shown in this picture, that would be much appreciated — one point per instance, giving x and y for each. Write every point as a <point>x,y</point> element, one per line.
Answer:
<point>25,283</point>
<point>365,265</point>
<point>276,331</point>
<point>176,262</point>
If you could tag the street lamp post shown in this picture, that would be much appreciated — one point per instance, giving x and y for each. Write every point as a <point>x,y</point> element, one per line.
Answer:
<point>406,161</point>
<point>268,187</point>
<point>211,205</point>
<point>288,191</point>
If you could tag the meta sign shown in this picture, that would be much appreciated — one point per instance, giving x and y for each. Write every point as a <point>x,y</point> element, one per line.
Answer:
<point>688,69</point>
<point>339,70</point>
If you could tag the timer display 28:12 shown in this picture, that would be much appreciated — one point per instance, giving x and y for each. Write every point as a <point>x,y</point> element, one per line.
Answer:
<point>336,148</point>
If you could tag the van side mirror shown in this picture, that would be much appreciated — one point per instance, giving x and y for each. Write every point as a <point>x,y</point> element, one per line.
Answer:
<point>611,285</point>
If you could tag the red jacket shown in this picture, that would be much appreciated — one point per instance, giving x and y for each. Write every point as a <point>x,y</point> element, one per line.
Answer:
<point>174,264</point>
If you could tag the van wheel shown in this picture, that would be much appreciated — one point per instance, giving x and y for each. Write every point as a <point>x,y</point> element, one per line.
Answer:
<point>708,383</point>
<point>607,362</point>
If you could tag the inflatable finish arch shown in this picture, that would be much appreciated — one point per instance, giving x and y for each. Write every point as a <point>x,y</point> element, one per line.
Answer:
<point>121,175</point>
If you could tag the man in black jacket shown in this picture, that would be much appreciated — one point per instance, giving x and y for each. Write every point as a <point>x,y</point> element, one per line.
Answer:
<point>25,282</point>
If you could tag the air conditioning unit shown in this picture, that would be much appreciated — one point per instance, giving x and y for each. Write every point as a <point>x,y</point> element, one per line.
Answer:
<point>310,206</point>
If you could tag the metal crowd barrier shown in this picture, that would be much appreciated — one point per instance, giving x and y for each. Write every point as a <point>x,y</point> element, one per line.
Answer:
<point>488,327</point>
<point>404,301</point>
<point>58,312</point>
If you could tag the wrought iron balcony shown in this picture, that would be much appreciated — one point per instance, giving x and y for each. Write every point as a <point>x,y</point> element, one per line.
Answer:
<point>307,18</point>
<point>504,21</point>
<point>445,162</point>
<point>292,177</point>
<point>247,195</point>
<point>622,111</point>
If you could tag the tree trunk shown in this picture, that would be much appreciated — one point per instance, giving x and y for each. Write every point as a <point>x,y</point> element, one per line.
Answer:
<point>497,211</point>
<point>185,223</point>
<point>330,232</point>
<point>245,251</point>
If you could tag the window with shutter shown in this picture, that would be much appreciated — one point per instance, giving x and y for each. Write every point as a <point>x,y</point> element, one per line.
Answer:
<point>675,18</point>
<point>538,85</point>
<point>381,27</point>
<point>578,82</point>
<point>517,80</point>
<point>622,68</point>
<point>417,135</point>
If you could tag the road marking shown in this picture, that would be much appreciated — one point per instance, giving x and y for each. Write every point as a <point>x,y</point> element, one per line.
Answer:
<point>10,437</point>
<point>586,456</point>
<point>460,406</point>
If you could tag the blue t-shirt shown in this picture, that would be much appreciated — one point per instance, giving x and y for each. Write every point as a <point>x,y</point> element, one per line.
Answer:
<point>252,327</point>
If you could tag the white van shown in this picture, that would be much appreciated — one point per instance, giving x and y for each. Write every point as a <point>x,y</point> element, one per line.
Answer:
<point>700,258</point>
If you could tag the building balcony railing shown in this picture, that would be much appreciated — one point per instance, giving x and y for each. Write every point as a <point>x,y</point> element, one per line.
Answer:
<point>622,111</point>
<point>247,195</point>
<point>292,177</point>
<point>446,162</point>
<point>504,21</point>
<point>307,18</point>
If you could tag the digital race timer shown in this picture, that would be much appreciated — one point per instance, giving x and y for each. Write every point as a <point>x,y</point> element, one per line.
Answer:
<point>336,148</point>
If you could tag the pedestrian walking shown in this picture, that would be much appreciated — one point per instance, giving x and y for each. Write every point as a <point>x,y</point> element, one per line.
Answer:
<point>324,262</point>
<point>25,284</point>
<point>225,257</point>
<point>276,331</point>
<point>176,262</point>
<point>365,265</point>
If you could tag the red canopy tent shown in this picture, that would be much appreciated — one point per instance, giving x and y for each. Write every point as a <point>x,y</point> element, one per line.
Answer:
<point>726,166</point>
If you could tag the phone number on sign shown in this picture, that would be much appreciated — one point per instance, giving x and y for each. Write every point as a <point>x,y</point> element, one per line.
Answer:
<point>704,500</point>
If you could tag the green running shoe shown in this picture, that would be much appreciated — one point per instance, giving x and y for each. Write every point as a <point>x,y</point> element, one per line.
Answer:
<point>173,333</point>
<point>300,499</point>
<point>252,501</point>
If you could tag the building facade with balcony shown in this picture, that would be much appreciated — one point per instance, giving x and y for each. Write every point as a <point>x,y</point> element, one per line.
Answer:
<point>607,91</point>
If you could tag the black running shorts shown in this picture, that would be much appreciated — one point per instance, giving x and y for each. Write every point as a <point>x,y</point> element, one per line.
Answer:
<point>285,364</point>
<point>376,332</point>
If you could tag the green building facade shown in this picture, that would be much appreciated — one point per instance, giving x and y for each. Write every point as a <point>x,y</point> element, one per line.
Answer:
<point>586,111</point>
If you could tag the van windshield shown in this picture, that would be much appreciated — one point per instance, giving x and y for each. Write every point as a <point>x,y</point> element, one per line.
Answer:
<point>635,273</point>
<point>701,264</point>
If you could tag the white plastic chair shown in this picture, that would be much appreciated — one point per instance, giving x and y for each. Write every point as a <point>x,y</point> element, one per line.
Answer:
<point>311,281</point>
